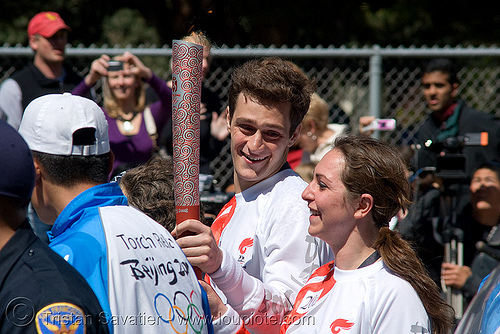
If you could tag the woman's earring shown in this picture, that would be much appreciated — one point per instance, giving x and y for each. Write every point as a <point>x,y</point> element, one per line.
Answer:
<point>310,134</point>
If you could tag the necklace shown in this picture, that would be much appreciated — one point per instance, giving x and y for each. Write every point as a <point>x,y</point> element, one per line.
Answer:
<point>127,123</point>
<point>370,259</point>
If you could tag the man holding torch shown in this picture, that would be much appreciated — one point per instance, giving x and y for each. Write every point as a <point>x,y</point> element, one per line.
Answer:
<point>258,253</point>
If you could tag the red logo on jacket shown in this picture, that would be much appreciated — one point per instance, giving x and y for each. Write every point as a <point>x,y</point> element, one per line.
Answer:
<point>245,244</point>
<point>339,324</point>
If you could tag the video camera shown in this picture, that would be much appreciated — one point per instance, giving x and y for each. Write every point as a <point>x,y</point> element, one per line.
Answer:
<point>451,164</point>
<point>212,200</point>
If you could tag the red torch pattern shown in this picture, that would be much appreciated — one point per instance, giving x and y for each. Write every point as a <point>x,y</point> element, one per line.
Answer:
<point>186,100</point>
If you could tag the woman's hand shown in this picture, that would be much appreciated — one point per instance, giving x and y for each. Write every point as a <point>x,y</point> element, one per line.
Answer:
<point>217,306</point>
<point>98,69</point>
<point>218,126</point>
<point>136,66</point>
<point>365,121</point>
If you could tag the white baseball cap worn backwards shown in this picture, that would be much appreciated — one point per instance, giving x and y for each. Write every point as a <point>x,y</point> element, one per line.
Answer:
<point>65,124</point>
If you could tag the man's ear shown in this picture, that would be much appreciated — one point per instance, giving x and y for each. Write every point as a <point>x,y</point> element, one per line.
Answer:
<point>312,126</point>
<point>295,136</point>
<point>33,41</point>
<point>365,205</point>
<point>454,90</point>
<point>111,162</point>
<point>38,170</point>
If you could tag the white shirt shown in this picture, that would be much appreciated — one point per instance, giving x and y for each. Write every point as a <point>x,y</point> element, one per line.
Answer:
<point>10,102</point>
<point>367,300</point>
<point>152,288</point>
<point>267,236</point>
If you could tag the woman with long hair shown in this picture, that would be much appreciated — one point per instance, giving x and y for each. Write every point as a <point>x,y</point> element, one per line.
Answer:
<point>125,106</point>
<point>376,284</point>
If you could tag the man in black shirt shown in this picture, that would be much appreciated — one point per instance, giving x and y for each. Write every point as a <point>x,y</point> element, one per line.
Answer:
<point>47,74</point>
<point>451,118</point>
<point>48,36</point>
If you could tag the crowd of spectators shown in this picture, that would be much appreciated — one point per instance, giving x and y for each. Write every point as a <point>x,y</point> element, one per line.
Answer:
<point>320,220</point>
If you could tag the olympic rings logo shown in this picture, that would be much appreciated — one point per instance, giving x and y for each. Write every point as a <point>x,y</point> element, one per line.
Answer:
<point>181,314</point>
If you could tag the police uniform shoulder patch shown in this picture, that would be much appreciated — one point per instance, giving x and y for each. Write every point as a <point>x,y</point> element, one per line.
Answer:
<point>60,318</point>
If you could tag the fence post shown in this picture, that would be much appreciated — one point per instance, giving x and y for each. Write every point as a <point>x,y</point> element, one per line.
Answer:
<point>375,84</point>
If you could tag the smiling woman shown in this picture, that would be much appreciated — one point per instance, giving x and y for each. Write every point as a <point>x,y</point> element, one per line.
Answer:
<point>125,107</point>
<point>376,284</point>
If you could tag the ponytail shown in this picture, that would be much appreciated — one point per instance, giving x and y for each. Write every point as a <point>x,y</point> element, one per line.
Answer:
<point>400,258</point>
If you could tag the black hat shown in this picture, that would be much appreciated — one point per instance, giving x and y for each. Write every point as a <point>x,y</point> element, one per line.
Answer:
<point>17,172</point>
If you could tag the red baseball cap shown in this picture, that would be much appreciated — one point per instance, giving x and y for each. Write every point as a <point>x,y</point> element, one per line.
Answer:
<point>46,24</point>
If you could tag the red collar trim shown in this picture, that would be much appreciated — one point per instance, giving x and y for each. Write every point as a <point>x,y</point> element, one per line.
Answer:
<point>448,112</point>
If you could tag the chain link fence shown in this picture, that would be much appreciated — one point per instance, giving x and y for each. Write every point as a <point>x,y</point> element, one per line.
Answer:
<point>355,82</point>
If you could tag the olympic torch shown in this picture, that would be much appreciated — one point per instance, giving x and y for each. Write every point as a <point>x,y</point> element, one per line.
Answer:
<point>186,100</point>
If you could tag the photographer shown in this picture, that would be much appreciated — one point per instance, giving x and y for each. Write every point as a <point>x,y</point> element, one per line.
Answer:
<point>452,118</point>
<point>479,223</point>
<point>125,107</point>
<point>446,128</point>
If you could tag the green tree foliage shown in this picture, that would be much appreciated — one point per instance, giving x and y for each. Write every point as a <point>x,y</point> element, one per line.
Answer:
<point>128,27</point>
<point>14,32</point>
<point>277,22</point>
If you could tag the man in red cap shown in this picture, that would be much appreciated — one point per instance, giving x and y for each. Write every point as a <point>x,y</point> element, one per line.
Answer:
<point>48,36</point>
